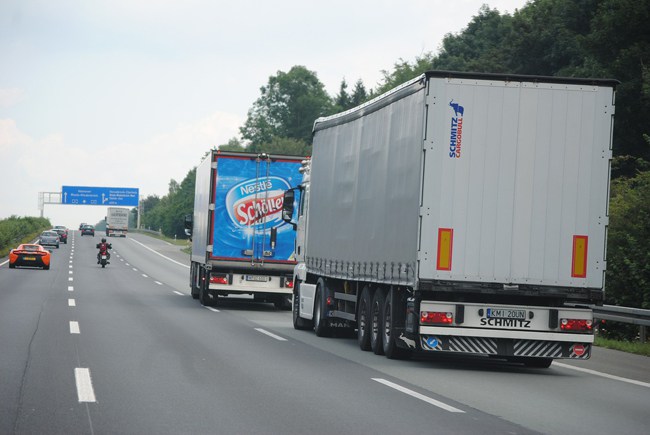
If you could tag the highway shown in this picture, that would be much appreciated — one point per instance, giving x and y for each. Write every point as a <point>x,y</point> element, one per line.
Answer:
<point>86,350</point>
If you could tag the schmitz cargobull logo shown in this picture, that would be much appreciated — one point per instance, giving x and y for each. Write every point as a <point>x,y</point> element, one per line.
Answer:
<point>257,201</point>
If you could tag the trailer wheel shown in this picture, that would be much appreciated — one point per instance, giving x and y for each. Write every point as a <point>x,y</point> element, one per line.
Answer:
<point>363,319</point>
<point>298,322</point>
<point>319,302</point>
<point>376,322</point>
<point>204,288</point>
<point>391,350</point>
<point>194,289</point>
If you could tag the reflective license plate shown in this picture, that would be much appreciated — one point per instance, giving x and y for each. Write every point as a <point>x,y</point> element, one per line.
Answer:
<point>104,257</point>
<point>29,258</point>
<point>257,278</point>
<point>505,313</point>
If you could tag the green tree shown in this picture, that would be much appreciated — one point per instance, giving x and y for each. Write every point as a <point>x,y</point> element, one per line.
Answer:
<point>403,72</point>
<point>342,100</point>
<point>359,94</point>
<point>282,145</point>
<point>233,144</point>
<point>288,106</point>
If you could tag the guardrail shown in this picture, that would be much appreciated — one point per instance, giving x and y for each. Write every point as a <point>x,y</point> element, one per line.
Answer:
<point>634,316</point>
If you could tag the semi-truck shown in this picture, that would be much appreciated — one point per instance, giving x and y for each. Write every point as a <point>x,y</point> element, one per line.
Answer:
<point>459,213</point>
<point>240,244</point>
<point>117,221</point>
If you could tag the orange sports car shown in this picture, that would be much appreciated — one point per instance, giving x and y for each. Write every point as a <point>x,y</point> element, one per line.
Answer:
<point>29,255</point>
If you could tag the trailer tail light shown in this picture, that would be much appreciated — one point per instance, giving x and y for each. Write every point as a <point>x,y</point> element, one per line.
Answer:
<point>436,318</point>
<point>288,283</point>
<point>576,325</point>
<point>219,279</point>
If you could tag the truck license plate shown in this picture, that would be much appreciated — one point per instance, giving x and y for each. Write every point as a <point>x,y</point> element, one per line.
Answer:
<point>257,278</point>
<point>505,313</point>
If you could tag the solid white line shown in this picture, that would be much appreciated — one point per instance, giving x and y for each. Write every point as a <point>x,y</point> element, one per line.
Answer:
<point>4,262</point>
<point>270,334</point>
<point>70,288</point>
<point>418,395</point>
<point>144,276</point>
<point>72,303</point>
<point>85,391</point>
<point>74,327</point>
<point>158,282</point>
<point>158,253</point>
<point>601,374</point>
<point>213,309</point>
<point>179,293</point>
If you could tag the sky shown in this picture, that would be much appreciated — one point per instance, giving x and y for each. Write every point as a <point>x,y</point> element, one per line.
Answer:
<point>132,93</point>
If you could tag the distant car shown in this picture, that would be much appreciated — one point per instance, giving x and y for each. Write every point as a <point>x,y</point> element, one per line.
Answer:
<point>88,230</point>
<point>63,233</point>
<point>81,225</point>
<point>49,238</point>
<point>29,255</point>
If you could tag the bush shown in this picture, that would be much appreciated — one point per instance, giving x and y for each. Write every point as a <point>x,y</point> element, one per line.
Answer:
<point>15,230</point>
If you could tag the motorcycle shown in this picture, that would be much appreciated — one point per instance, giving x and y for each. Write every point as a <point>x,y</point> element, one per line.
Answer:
<point>103,255</point>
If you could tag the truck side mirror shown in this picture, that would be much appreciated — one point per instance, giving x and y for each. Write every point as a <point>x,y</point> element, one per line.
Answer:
<point>287,206</point>
<point>189,225</point>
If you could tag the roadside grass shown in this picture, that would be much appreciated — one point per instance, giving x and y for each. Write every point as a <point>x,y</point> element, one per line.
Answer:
<point>625,346</point>
<point>27,239</point>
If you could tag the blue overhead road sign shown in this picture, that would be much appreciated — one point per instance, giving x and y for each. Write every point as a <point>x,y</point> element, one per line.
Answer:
<point>84,195</point>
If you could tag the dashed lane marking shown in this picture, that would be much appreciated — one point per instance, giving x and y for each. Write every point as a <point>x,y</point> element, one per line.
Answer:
<point>270,334</point>
<point>74,327</point>
<point>417,395</point>
<point>85,391</point>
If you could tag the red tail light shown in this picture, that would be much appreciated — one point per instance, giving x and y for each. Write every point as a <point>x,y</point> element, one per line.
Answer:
<point>288,283</point>
<point>436,317</point>
<point>578,325</point>
<point>215,279</point>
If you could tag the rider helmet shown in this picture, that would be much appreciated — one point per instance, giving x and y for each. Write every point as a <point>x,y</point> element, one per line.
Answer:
<point>103,240</point>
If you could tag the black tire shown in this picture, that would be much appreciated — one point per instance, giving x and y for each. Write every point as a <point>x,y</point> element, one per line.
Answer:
<point>282,302</point>
<point>103,265</point>
<point>363,319</point>
<point>319,305</point>
<point>377,321</point>
<point>298,322</point>
<point>45,267</point>
<point>12,266</point>
<point>194,289</point>
<point>204,288</point>
<point>389,340</point>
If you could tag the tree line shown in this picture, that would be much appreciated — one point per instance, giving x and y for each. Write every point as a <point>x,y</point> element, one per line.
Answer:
<point>569,38</point>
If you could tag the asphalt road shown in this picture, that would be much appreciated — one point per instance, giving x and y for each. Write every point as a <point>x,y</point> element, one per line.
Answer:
<point>86,350</point>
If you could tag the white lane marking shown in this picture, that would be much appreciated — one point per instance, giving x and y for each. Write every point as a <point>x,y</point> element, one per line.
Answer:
<point>158,253</point>
<point>127,264</point>
<point>70,272</point>
<point>604,375</point>
<point>70,266</point>
<point>145,276</point>
<point>70,279</point>
<point>135,270</point>
<point>72,303</point>
<point>74,327</point>
<point>85,391</point>
<point>179,293</point>
<point>70,261</point>
<point>158,282</point>
<point>418,395</point>
<point>70,288</point>
<point>4,262</point>
<point>212,309</point>
<point>270,334</point>
<point>121,259</point>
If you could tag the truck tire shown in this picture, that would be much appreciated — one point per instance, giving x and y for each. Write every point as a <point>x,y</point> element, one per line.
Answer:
<point>389,340</point>
<point>194,289</point>
<point>363,319</point>
<point>319,304</point>
<point>298,322</point>
<point>377,321</point>
<point>204,288</point>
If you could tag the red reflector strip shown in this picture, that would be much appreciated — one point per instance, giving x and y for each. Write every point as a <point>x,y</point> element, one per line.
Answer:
<point>441,318</point>
<point>576,324</point>
<point>445,248</point>
<point>579,259</point>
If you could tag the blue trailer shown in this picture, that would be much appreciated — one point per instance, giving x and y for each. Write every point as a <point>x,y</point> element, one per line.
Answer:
<point>240,244</point>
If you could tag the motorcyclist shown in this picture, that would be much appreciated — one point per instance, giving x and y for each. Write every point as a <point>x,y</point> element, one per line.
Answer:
<point>103,250</point>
